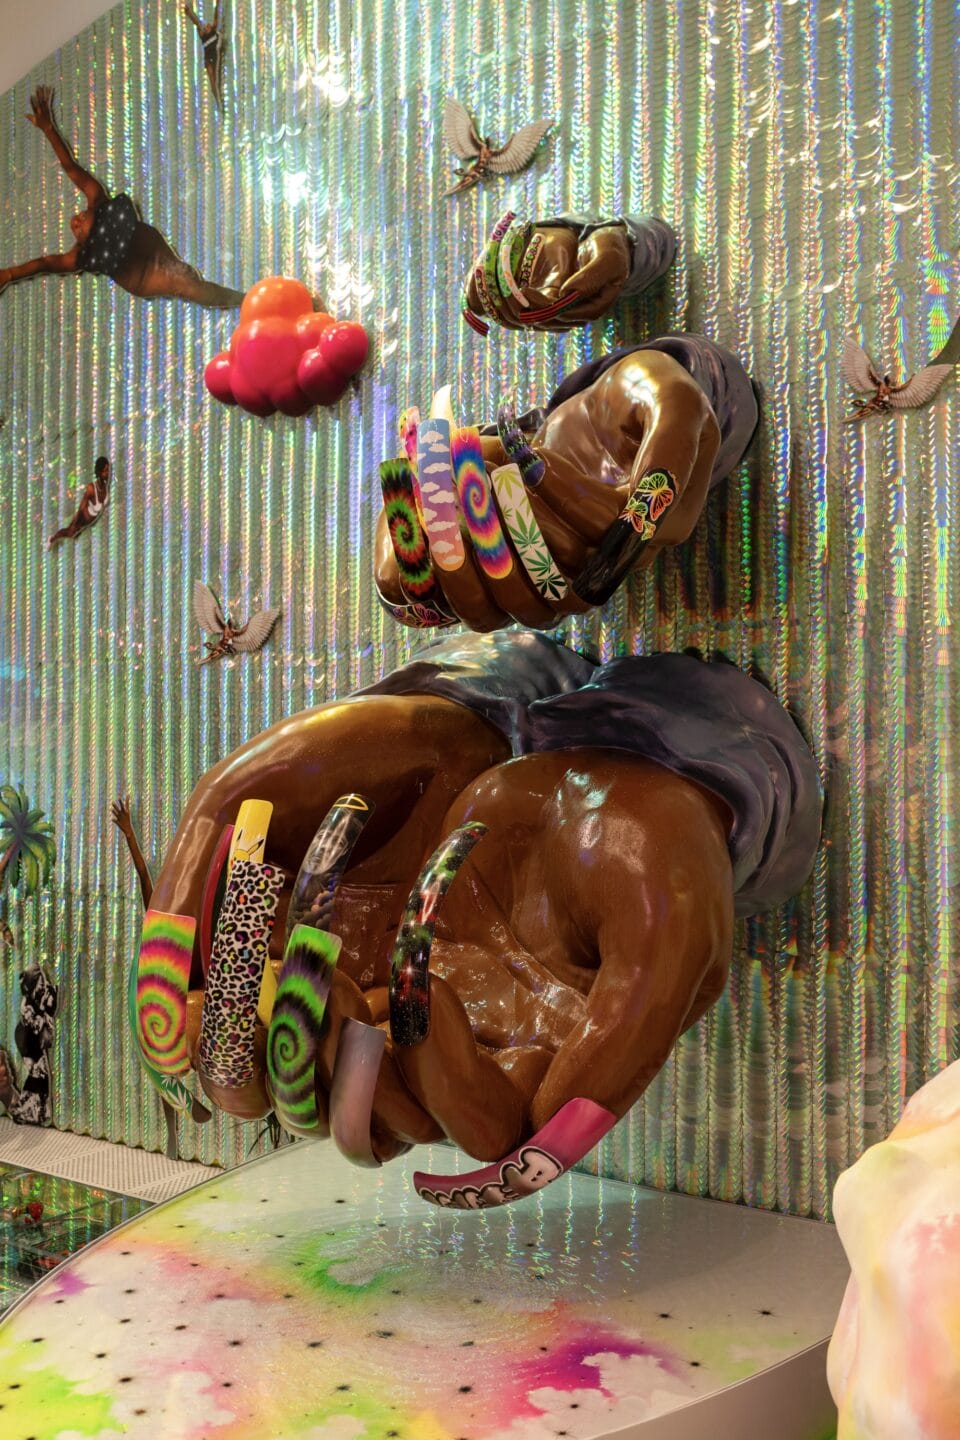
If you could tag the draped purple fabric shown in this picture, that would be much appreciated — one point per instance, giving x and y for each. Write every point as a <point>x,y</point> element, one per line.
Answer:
<point>706,721</point>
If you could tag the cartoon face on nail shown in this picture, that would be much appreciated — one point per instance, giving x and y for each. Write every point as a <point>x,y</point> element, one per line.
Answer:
<point>532,1170</point>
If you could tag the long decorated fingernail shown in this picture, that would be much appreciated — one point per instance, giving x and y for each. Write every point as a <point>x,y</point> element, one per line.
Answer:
<point>409,421</point>
<point>250,831</point>
<point>438,495</point>
<point>410,965</point>
<point>530,258</point>
<point>163,977</point>
<point>526,534</point>
<point>627,538</point>
<point>168,1087</point>
<point>359,1053</point>
<point>311,902</point>
<point>410,544</point>
<point>474,321</point>
<point>489,261</point>
<point>509,257</point>
<point>214,889</point>
<point>555,1148</point>
<point>293,1041</point>
<point>225,1054</point>
<point>502,226</point>
<point>515,443</point>
<point>481,272</point>
<point>477,504</point>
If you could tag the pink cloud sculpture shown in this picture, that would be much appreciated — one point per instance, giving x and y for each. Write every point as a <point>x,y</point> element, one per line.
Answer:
<point>284,355</point>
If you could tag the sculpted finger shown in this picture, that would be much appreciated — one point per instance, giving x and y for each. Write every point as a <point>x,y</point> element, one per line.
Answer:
<point>603,265</point>
<point>476,1104</point>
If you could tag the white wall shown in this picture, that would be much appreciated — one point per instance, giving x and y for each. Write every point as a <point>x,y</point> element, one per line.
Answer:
<point>32,29</point>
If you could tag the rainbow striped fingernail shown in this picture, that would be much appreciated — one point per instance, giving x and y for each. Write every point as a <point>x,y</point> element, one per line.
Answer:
<point>163,977</point>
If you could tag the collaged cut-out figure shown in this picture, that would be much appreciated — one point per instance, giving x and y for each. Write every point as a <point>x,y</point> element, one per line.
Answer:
<point>28,1101</point>
<point>93,502</point>
<point>213,43</point>
<point>111,238</point>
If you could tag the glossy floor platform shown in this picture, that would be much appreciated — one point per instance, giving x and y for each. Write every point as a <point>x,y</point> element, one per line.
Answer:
<point>300,1297</point>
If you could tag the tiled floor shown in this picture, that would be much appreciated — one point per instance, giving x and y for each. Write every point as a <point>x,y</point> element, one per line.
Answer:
<point>98,1162</point>
<point>59,1191</point>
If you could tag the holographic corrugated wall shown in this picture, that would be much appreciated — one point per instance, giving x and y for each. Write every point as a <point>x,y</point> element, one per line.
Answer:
<point>805,154</point>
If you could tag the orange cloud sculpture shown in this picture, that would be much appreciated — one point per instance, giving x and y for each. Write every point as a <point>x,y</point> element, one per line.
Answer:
<point>284,355</point>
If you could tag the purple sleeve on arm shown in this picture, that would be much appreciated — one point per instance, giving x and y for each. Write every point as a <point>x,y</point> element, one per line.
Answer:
<point>708,722</point>
<point>499,676</point>
<point>712,724</point>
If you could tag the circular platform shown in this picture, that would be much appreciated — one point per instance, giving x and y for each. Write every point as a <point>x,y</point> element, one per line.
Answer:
<point>299,1297</point>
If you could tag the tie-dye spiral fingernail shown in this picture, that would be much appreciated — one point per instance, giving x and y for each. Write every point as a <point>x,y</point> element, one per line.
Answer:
<point>163,977</point>
<point>478,506</point>
<point>294,1037</point>
<point>410,544</point>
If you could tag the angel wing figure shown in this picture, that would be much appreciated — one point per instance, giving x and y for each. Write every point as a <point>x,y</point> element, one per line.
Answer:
<point>862,375</point>
<point>463,138</point>
<point>231,639</point>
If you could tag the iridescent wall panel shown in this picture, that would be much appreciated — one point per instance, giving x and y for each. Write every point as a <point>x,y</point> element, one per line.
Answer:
<point>805,155</point>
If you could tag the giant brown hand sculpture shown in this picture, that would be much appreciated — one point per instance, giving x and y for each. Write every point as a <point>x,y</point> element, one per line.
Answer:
<point>538,523</point>
<point>594,831</point>
<point>565,271</point>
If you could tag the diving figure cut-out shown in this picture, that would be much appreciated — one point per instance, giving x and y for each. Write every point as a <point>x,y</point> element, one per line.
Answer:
<point>111,238</point>
<point>213,45</point>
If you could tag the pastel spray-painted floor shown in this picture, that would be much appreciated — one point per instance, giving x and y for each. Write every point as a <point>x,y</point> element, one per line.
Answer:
<point>58,1192</point>
<point>299,1297</point>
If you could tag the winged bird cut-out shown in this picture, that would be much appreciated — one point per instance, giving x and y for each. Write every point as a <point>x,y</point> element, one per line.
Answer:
<point>463,139</point>
<point>231,639</point>
<point>862,375</point>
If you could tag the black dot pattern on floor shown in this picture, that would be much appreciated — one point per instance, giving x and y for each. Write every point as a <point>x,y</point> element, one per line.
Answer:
<point>345,1307</point>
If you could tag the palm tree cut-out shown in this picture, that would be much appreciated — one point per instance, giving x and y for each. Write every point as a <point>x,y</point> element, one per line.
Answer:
<point>28,847</point>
